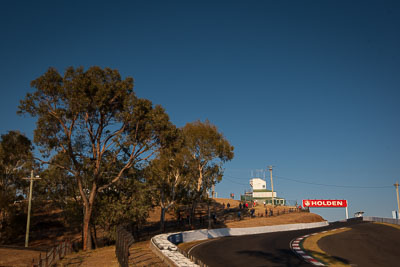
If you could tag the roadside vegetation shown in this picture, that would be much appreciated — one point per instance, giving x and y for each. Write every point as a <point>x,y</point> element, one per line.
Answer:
<point>105,157</point>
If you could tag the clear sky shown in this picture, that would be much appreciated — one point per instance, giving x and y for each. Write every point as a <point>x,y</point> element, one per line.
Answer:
<point>311,87</point>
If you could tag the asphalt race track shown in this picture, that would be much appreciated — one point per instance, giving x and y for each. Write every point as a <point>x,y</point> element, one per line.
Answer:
<point>366,244</point>
<point>273,249</point>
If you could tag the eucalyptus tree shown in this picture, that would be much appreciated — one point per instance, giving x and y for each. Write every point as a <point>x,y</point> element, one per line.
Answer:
<point>16,161</point>
<point>208,150</point>
<point>168,174</point>
<point>86,115</point>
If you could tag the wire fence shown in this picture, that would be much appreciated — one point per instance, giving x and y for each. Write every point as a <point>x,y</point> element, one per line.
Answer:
<point>54,254</point>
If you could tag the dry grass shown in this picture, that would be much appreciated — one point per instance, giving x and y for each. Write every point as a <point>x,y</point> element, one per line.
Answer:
<point>141,256</point>
<point>101,257</point>
<point>17,257</point>
<point>281,219</point>
<point>310,245</point>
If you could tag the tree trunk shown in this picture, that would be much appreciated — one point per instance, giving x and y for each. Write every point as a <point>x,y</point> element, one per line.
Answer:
<point>209,215</point>
<point>162,220</point>
<point>88,207</point>
<point>93,235</point>
<point>86,234</point>
<point>193,213</point>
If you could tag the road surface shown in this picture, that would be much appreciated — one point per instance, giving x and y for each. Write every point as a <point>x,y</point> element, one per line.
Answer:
<point>367,245</point>
<point>273,249</point>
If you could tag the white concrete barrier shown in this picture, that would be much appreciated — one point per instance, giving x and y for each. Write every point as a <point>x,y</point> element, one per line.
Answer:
<point>165,248</point>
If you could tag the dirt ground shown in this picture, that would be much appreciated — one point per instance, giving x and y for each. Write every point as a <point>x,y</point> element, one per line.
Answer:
<point>17,257</point>
<point>101,257</point>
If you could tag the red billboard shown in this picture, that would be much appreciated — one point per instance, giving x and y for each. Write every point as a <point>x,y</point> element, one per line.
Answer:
<point>325,203</point>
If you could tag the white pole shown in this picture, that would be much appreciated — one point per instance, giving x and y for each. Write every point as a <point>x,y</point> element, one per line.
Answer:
<point>272,186</point>
<point>28,220</point>
<point>398,201</point>
<point>29,211</point>
<point>347,213</point>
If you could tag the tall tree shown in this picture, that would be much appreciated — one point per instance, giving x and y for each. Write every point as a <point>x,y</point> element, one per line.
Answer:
<point>208,149</point>
<point>87,115</point>
<point>168,174</point>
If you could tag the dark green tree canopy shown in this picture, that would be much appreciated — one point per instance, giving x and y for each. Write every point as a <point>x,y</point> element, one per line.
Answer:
<point>16,159</point>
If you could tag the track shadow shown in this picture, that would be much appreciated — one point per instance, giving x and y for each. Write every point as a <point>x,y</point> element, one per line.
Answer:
<point>281,257</point>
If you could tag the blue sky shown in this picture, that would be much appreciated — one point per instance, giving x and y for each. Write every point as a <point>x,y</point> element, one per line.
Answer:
<point>311,87</point>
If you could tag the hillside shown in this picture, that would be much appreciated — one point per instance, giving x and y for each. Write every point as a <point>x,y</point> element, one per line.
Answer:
<point>48,228</point>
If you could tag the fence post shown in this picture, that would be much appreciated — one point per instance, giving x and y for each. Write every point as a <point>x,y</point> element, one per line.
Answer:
<point>47,259</point>
<point>54,254</point>
<point>123,242</point>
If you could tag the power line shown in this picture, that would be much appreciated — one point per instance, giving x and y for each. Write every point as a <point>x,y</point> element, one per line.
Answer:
<point>311,183</point>
<point>235,177</point>
<point>234,181</point>
<point>332,185</point>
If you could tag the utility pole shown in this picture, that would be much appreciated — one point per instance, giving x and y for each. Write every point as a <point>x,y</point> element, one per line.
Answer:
<point>272,184</point>
<point>29,206</point>
<point>398,202</point>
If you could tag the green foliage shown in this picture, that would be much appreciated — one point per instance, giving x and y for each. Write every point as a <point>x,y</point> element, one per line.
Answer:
<point>128,202</point>
<point>189,166</point>
<point>16,161</point>
<point>169,173</point>
<point>58,186</point>
<point>208,150</point>
<point>14,224</point>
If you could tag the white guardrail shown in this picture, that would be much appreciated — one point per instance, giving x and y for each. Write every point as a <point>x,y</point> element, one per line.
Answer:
<point>164,245</point>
